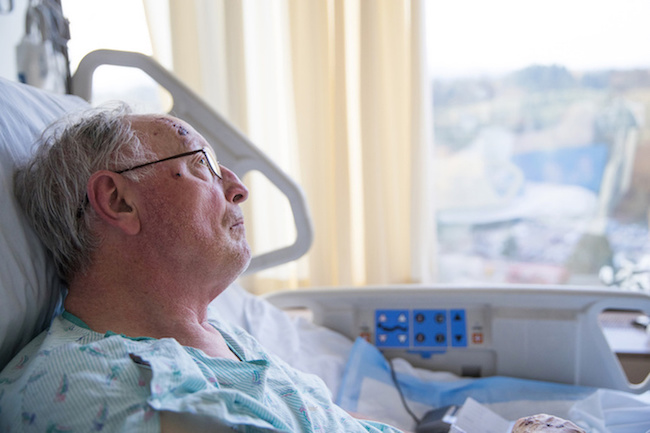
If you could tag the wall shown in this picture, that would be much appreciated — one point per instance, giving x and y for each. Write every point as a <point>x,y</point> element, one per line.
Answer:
<point>12,28</point>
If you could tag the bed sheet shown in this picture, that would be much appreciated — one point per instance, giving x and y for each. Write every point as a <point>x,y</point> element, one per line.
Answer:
<point>367,387</point>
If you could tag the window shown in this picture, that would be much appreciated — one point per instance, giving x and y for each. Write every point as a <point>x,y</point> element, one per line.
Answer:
<point>541,127</point>
<point>115,25</point>
<point>542,140</point>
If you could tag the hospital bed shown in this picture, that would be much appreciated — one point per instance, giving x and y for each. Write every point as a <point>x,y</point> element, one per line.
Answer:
<point>526,348</point>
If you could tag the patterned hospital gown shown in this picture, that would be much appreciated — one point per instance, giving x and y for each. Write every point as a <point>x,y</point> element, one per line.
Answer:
<point>72,379</point>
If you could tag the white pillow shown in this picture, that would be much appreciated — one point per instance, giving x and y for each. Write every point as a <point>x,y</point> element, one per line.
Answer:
<point>303,345</point>
<point>29,288</point>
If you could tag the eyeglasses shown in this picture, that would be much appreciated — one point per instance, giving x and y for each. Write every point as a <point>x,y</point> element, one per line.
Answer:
<point>208,152</point>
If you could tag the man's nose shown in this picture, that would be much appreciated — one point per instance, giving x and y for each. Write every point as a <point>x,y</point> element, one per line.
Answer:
<point>235,191</point>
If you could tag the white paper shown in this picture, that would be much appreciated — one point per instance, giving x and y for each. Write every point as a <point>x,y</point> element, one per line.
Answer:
<point>476,418</point>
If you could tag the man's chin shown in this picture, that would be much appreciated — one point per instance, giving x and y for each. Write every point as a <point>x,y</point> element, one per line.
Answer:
<point>246,265</point>
<point>246,258</point>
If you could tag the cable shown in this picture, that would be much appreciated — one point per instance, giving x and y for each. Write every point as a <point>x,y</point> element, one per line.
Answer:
<point>393,375</point>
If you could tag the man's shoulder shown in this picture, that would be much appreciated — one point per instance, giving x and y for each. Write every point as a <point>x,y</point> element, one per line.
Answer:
<point>62,343</point>
<point>62,352</point>
<point>70,376</point>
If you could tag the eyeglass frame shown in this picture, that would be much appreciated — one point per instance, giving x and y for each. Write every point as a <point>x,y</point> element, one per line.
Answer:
<point>210,156</point>
<point>213,165</point>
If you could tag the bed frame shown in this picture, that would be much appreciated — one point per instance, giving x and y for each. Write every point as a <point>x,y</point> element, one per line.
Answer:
<point>532,332</point>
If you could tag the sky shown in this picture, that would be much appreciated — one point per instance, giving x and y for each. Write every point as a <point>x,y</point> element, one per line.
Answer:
<point>485,37</point>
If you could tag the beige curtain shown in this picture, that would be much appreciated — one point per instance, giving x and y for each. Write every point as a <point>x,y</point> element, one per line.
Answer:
<point>336,92</point>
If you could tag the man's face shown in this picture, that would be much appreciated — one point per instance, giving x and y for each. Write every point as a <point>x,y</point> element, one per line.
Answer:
<point>191,216</point>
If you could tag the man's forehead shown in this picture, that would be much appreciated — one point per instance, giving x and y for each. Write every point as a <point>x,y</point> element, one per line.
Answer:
<point>161,123</point>
<point>166,127</point>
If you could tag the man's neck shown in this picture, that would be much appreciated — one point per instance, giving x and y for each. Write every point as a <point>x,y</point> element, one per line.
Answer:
<point>144,309</point>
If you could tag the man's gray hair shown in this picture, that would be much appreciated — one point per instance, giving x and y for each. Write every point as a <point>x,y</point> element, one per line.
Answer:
<point>51,186</point>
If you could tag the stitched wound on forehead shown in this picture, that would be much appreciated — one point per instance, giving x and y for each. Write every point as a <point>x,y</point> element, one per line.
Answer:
<point>180,129</point>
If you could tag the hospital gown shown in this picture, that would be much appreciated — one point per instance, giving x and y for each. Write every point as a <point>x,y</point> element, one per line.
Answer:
<point>72,379</point>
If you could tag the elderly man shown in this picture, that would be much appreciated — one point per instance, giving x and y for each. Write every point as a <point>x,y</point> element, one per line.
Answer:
<point>146,229</point>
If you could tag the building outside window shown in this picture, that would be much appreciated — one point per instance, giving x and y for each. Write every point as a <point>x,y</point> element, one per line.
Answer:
<point>542,140</point>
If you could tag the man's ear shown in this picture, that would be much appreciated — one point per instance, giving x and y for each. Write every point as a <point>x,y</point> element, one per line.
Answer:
<point>112,199</point>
